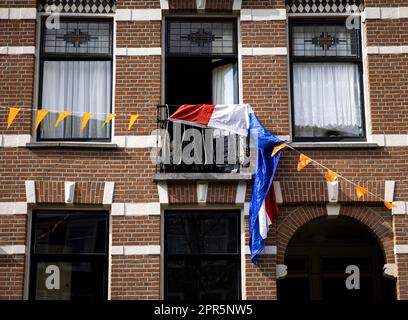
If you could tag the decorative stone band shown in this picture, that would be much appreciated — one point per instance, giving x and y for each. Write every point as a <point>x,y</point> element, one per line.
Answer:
<point>9,208</point>
<point>135,250</point>
<point>401,249</point>
<point>138,14</point>
<point>6,250</point>
<point>263,14</point>
<point>154,51</point>
<point>277,51</point>
<point>386,13</point>
<point>18,13</point>
<point>17,50</point>
<point>135,209</point>
<point>270,250</point>
<point>387,50</point>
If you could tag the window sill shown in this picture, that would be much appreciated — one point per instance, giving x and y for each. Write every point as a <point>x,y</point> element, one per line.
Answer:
<point>335,145</point>
<point>199,176</point>
<point>100,145</point>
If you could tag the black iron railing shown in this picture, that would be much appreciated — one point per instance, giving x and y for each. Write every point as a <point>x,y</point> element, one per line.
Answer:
<point>186,148</point>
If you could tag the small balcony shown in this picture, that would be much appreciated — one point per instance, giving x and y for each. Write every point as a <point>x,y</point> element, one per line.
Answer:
<point>190,149</point>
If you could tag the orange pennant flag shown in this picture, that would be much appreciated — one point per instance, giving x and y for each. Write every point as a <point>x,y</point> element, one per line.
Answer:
<point>389,205</point>
<point>331,176</point>
<point>361,191</point>
<point>61,117</point>
<point>85,118</point>
<point>303,162</point>
<point>108,118</point>
<point>40,117</point>
<point>277,148</point>
<point>12,115</point>
<point>133,118</point>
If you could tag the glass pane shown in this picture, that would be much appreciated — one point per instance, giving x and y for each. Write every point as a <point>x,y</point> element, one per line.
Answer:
<point>192,233</point>
<point>201,37</point>
<point>77,87</point>
<point>70,281</point>
<point>76,38</point>
<point>325,40</point>
<point>327,100</point>
<point>70,233</point>
<point>202,280</point>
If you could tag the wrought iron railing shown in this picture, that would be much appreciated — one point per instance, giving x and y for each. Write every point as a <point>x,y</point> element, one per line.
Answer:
<point>185,148</point>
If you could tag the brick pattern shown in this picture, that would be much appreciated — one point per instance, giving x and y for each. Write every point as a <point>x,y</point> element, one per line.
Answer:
<point>304,191</point>
<point>263,4</point>
<point>261,279</point>
<point>388,81</point>
<point>13,229</point>
<point>182,193</point>
<point>263,34</point>
<point>400,225</point>
<point>137,92</point>
<point>17,33</point>
<point>18,3</point>
<point>50,191</point>
<point>135,230</point>
<point>221,193</point>
<point>402,283</point>
<point>89,192</point>
<point>135,278</point>
<point>387,32</point>
<point>182,5</point>
<point>12,277</point>
<point>218,5</point>
<point>138,34</point>
<point>382,3</point>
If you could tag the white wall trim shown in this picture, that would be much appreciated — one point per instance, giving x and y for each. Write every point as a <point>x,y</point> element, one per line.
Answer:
<point>241,192</point>
<point>30,191</point>
<point>69,191</point>
<point>163,192</point>
<point>401,249</point>
<point>401,207</point>
<point>10,208</point>
<point>135,250</point>
<point>270,250</point>
<point>276,51</point>
<point>389,140</point>
<point>18,13</point>
<point>246,208</point>
<point>389,188</point>
<point>263,14</point>
<point>138,15</point>
<point>278,192</point>
<point>386,13</point>
<point>387,50</point>
<point>333,210</point>
<point>135,141</point>
<point>135,209</point>
<point>13,50</point>
<point>14,140</point>
<point>108,189</point>
<point>6,250</point>
<point>202,192</point>
<point>237,4</point>
<point>164,4</point>
<point>152,51</point>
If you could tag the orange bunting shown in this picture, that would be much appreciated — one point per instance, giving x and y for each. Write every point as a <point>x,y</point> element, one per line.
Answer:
<point>360,191</point>
<point>85,118</point>
<point>40,117</point>
<point>389,205</point>
<point>277,148</point>
<point>12,115</point>
<point>61,117</point>
<point>331,176</point>
<point>108,118</point>
<point>133,118</point>
<point>303,162</point>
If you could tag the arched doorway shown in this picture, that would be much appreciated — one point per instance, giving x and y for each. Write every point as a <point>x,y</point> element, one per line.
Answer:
<point>319,253</point>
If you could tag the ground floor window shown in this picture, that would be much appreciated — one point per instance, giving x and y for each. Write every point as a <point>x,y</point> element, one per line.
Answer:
<point>202,255</point>
<point>69,255</point>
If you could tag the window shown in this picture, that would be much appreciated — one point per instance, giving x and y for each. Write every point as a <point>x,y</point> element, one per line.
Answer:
<point>327,88</point>
<point>76,76</point>
<point>69,255</point>
<point>202,255</point>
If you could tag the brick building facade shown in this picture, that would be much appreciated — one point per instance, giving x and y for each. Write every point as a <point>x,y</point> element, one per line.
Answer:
<point>132,208</point>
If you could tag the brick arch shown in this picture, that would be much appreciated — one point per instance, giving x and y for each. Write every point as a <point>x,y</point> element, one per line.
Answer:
<point>380,228</point>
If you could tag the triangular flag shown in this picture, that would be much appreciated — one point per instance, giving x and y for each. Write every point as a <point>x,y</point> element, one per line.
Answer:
<point>109,118</point>
<point>85,118</point>
<point>12,115</point>
<point>361,191</point>
<point>389,205</point>
<point>331,176</point>
<point>303,162</point>
<point>61,117</point>
<point>133,118</point>
<point>40,117</point>
<point>277,148</point>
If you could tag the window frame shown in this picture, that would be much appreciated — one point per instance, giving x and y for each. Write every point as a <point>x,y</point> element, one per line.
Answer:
<point>234,257</point>
<point>322,59</point>
<point>74,57</point>
<point>35,258</point>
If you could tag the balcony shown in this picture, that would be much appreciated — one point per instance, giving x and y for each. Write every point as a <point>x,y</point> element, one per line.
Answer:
<point>189,149</point>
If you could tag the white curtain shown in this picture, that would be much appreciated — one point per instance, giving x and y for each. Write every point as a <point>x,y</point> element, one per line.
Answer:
<point>327,99</point>
<point>224,82</point>
<point>76,86</point>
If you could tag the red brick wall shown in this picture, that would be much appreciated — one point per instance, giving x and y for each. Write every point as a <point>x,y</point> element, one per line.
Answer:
<point>263,34</point>
<point>13,229</point>
<point>138,34</point>
<point>17,33</point>
<point>263,4</point>
<point>135,230</point>
<point>11,277</point>
<point>18,3</point>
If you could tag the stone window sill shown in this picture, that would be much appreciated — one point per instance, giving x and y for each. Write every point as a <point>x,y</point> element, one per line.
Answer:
<point>335,145</point>
<point>100,145</point>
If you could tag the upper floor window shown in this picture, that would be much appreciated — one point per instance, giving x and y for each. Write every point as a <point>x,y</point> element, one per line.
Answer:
<point>76,76</point>
<point>326,81</point>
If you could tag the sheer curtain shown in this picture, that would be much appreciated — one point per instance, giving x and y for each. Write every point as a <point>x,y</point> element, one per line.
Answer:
<point>76,86</point>
<point>327,99</point>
